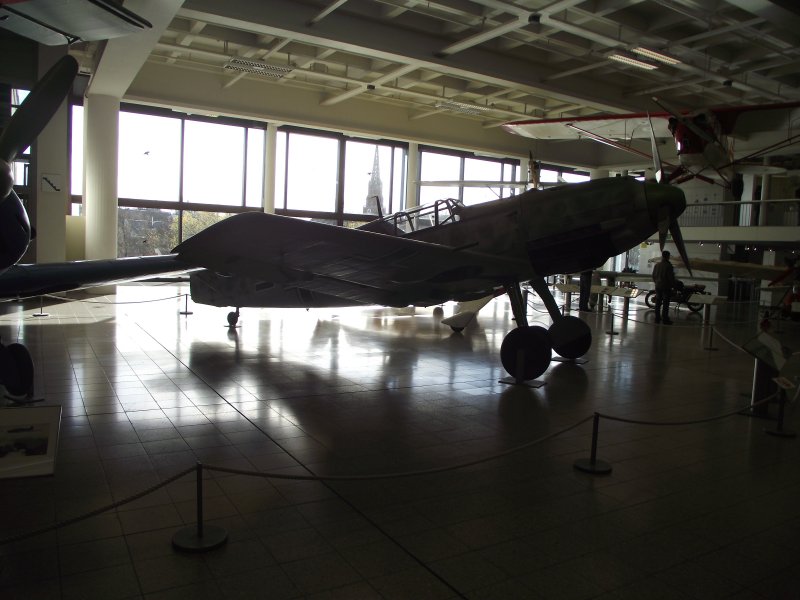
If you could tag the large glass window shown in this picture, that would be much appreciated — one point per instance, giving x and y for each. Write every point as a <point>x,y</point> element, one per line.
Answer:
<point>254,183</point>
<point>312,172</point>
<point>481,170</point>
<point>76,152</point>
<point>280,169</point>
<point>438,167</point>
<point>367,174</point>
<point>399,180</point>
<point>194,221</point>
<point>20,166</point>
<point>213,163</point>
<point>149,157</point>
<point>458,167</point>
<point>146,231</point>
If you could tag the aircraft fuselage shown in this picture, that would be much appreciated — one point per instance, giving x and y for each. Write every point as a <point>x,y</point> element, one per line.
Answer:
<point>564,229</point>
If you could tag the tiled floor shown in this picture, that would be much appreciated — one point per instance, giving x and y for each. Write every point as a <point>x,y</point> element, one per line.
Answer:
<point>701,511</point>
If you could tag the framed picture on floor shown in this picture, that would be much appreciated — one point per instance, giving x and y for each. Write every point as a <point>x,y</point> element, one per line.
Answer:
<point>28,440</point>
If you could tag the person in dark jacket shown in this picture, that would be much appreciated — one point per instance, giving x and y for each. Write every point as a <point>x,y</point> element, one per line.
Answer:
<point>664,279</point>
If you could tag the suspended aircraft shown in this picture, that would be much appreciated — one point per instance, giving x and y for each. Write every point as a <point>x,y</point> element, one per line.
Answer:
<point>424,256</point>
<point>704,139</point>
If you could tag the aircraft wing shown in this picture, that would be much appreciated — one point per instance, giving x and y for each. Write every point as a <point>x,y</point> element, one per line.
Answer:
<point>47,278</point>
<point>609,127</point>
<point>773,273</point>
<point>355,265</point>
<point>741,121</point>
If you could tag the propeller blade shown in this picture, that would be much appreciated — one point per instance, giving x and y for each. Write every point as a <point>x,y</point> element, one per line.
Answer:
<point>37,108</point>
<point>677,237</point>
<point>656,156</point>
<point>663,225</point>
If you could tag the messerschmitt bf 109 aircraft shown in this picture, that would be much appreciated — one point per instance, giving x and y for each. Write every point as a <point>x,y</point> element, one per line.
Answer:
<point>704,139</point>
<point>425,256</point>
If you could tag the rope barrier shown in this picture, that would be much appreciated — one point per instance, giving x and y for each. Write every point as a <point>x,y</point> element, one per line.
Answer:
<point>383,476</point>
<point>113,303</point>
<point>97,511</point>
<point>592,465</point>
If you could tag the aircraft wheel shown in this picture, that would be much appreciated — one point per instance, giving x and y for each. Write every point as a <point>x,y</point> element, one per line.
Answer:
<point>525,352</point>
<point>650,299</point>
<point>233,318</point>
<point>694,306</point>
<point>16,369</point>
<point>570,337</point>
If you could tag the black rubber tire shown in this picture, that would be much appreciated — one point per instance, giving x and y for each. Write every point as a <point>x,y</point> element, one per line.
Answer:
<point>18,382</point>
<point>650,299</point>
<point>535,343</point>
<point>570,337</point>
<point>233,318</point>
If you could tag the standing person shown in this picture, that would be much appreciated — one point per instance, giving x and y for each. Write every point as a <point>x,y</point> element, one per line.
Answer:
<point>664,278</point>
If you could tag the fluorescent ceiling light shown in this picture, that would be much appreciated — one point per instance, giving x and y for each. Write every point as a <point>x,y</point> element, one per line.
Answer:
<point>629,60</point>
<point>653,55</point>
<point>257,67</point>
<point>462,107</point>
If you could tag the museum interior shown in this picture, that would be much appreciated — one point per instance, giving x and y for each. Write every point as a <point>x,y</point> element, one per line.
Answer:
<point>296,299</point>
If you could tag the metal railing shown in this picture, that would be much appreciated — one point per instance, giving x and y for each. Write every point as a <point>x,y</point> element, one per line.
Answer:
<point>780,213</point>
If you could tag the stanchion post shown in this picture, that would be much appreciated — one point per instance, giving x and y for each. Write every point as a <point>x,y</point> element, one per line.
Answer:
<point>201,537</point>
<point>710,345</point>
<point>612,332</point>
<point>592,465</point>
<point>186,311</point>
<point>41,312</point>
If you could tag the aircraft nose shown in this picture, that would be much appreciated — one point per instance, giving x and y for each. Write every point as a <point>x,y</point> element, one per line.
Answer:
<point>664,201</point>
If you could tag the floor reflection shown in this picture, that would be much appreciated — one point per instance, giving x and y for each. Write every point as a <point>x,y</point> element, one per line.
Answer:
<point>147,391</point>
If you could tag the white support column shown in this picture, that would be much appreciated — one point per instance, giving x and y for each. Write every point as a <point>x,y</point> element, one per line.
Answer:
<point>765,181</point>
<point>101,127</point>
<point>748,194</point>
<point>49,182</point>
<point>270,158</point>
<point>412,189</point>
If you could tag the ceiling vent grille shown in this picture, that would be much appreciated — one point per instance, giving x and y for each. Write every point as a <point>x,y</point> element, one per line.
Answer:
<point>462,107</point>
<point>258,68</point>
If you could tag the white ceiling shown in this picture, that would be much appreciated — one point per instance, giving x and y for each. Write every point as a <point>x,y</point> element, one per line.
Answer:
<point>396,62</point>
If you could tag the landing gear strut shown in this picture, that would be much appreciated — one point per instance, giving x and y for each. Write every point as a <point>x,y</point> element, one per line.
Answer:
<point>526,351</point>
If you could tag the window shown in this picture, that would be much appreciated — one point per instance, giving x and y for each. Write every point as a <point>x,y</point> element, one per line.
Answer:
<point>146,231</point>
<point>76,152</point>
<point>367,173</point>
<point>464,166</point>
<point>574,177</point>
<point>438,167</point>
<point>213,163</point>
<point>20,166</point>
<point>149,157</point>
<point>254,175</point>
<point>312,172</point>
<point>481,170</point>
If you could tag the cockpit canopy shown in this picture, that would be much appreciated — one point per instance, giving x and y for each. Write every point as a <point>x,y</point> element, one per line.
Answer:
<point>441,212</point>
